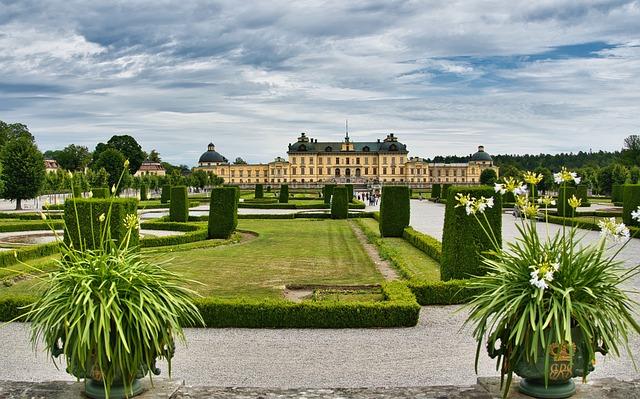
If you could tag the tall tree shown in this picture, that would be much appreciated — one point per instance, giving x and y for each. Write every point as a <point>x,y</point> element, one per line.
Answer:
<point>13,131</point>
<point>24,172</point>
<point>488,176</point>
<point>154,156</point>
<point>131,150</point>
<point>631,150</point>
<point>73,157</point>
<point>239,161</point>
<point>112,161</point>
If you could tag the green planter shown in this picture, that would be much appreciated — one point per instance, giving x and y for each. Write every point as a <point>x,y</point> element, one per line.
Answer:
<point>95,390</point>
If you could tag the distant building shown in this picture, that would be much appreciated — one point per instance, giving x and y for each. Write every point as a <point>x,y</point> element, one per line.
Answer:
<point>380,162</point>
<point>50,165</point>
<point>149,168</point>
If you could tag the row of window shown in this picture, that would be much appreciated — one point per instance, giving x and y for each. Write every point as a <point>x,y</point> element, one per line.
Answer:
<point>347,160</point>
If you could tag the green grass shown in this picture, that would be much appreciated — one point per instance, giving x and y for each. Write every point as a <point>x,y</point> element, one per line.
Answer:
<point>423,267</point>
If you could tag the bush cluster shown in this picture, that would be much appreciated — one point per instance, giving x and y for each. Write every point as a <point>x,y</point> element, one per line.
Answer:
<point>165,195</point>
<point>617,193</point>
<point>563,197</point>
<point>179,204</point>
<point>463,238</point>
<point>223,212</point>
<point>259,191</point>
<point>284,194</point>
<point>85,229</point>
<point>327,192</point>
<point>631,203</point>
<point>100,192</point>
<point>340,203</point>
<point>77,192</point>
<point>435,190</point>
<point>394,211</point>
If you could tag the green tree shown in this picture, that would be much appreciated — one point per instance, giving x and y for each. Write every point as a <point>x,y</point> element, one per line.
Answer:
<point>239,161</point>
<point>199,178</point>
<point>131,150</point>
<point>112,161</point>
<point>547,179</point>
<point>154,156</point>
<point>634,175</point>
<point>612,174</point>
<point>489,177</point>
<point>24,173</point>
<point>12,131</point>
<point>73,157</point>
<point>631,150</point>
<point>510,171</point>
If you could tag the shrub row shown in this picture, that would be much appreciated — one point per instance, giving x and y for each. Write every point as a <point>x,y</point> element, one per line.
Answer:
<point>564,194</point>
<point>28,216</point>
<point>631,202</point>
<point>8,258</point>
<point>100,192</point>
<point>394,211</point>
<point>441,292</point>
<point>425,243</point>
<point>31,225</point>
<point>587,225</point>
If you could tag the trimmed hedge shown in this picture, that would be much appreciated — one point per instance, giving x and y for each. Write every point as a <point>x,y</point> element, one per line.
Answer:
<point>100,192</point>
<point>8,258</point>
<point>463,238</point>
<point>425,243</point>
<point>581,192</point>
<point>259,191</point>
<point>28,216</point>
<point>564,194</point>
<point>349,192</point>
<point>587,225</point>
<point>179,204</point>
<point>30,225</point>
<point>193,233</point>
<point>144,192</point>
<point>327,192</point>
<point>394,211</point>
<point>340,203</point>
<point>616,193</point>
<point>631,203</point>
<point>435,190</point>
<point>444,194</point>
<point>223,212</point>
<point>165,195</point>
<point>441,292</point>
<point>77,192</point>
<point>88,225</point>
<point>284,194</point>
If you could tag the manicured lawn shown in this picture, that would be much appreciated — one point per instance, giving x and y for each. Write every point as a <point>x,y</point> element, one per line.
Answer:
<point>423,267</point>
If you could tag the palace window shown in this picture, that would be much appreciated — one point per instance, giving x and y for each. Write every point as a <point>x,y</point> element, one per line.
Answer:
<point>320,161</point>
<point>357,161</point>
<point>358,172</point>
<point>302,169</point>
<point>337,161</point>
<point>366,171</point>
<point>393,170</point>
<point>384,170</point>
<point>311,170</point>
<point>393,160</point>
<point>375,171</point>
<point>401,170</point>
<point>293,160</point>
<point>311,160</point>
<point>411,171</point>
<point>366,160</point>
<point>393,147</point>
<point>347,160</point>
<point>328,171</point>
<point>294,170</point>
<point>365,148</point>
<point>328,149</point>
<point>337,172</point>
<point>347,172</point>
<point>462,173</point>
<point>384,160</point>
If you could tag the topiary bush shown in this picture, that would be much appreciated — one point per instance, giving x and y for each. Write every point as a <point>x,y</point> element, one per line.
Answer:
<point>616,193</point>
<point>259,192</point>
<point>444,194</point>
<point>394,210</point>
<point>327,192</point>
<point>100,192</point>
<point>564,193</point>
<point>436,189</point>
<point>144,192</point>
<point>82,220</point>
<point>581,193</point>
<point>463,238</point>
<point>77,192</point>
<point>283,198</point>
<point>349,192</point>
<point>631,203</point>
<point>340,203</point>
<point>179,205</point>
<point>223,212</point>
<point>165,195</point>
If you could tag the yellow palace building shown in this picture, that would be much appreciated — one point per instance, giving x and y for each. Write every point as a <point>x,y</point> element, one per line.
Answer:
<point>311,162</point>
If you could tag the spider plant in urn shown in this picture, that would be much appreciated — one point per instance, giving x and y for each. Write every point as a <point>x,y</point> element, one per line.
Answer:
<point>106,310</point>
<point>547,303</point>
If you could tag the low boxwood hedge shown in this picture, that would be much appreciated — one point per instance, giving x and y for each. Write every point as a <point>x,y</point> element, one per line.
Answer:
<point>100,192</point>
<point>8,258</point>
<point>22,225</point>
<point>583,224</point>
<point>425,243</point>
<point>165,195</point>
<point>441,292</point>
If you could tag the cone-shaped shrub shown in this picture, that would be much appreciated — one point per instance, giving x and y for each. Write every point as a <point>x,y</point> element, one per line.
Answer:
<point>444,194</point>
<point>284,194</point>
<point>631,203</point>
<point>100,192</point>
<point>435,190</point>
<point>179,205</point>
<point>144,192</point>
<point>616,193</point>
<point>223,212</point>
<point>581,193</point>
<point>563,196</point>
<point>463,238</point>
<point>394,211</point>
<point>259,193</point>
<point>82,220</point>
<point>165,196</point>
<point>340,203</point>
<point>349,192</point>
<point>327,192</point>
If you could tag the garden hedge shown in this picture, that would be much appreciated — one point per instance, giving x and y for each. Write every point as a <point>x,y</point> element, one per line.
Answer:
<point>616,193</point>
<point>463,238</point>
<point>425,243</point>
<point>223,212</point>
<point>165,195</point>
<point>631,203</point>
<point>349,192</point>
<point>8,258</point>
<point>144,192</point>
<point>327,192</point>
<point>284,194</point>
<point>435,190</point>
<point>87,223</point>
<point>584,224</point>
<point>77,192</point>
<point>450,292</point>
<point>31,225</point>
<point>394,210</point>
<point>100,192</point>
<point>581,193</point>
<point>444,194</point>
<point>259,191</point>
<point>564,194</point>
<point>179,204</point>
<point>340,203</point>
<point>193,232</point>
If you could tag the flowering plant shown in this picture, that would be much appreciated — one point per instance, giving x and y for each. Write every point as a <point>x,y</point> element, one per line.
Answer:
<point>547,289</point>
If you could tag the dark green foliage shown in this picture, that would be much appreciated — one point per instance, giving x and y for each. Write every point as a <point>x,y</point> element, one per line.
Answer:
<point>427,244</point>
<point>88,224</point>
<point>444,194</point>
<point>488,177</point>
<point>268,189</point>
<point>327,192</point>
<point>112,161</point>
<point>193,232</point>
<point>179,205</point>
<point>340,203</point>
<point>8,258</point>
<point>165,195</point>
<point>441,292</point>
<point>77,192</point>
<point>144,192</point>
<point>23,171</point>
<point>587,225</point>
<point>617,193</point>
<point>100,192</point>
<point>223,212</point>
<point>73,157</point>
<point>349,192</point>
<point>284,194</point>
<point>130,149</point>
<point>564,193</point>
<point>394,211</point>
<point>463,238</point>
<point>631,203</point>
<point>508,198</point>
<point>259,193</point>
<point>436,190</point>
<point>29,226</point>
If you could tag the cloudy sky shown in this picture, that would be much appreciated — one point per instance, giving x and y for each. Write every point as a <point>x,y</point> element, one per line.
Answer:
<point>445,76</point>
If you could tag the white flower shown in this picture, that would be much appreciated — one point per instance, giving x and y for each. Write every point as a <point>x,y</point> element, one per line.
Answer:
<point>548,276</point>
<point>520,190</point>
<point>609,229</point>
<point>557,177</point>
<point>556,266</point>
<point>635,215</point>
<point>43,216</point>
<point>113,189</point>
<point>499,188</point>
<point>90,194</point>
<point>490,202</point>
<point>577,179</point>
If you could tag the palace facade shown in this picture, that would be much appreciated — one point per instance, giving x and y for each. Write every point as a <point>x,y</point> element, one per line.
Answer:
<point>311,162</point>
